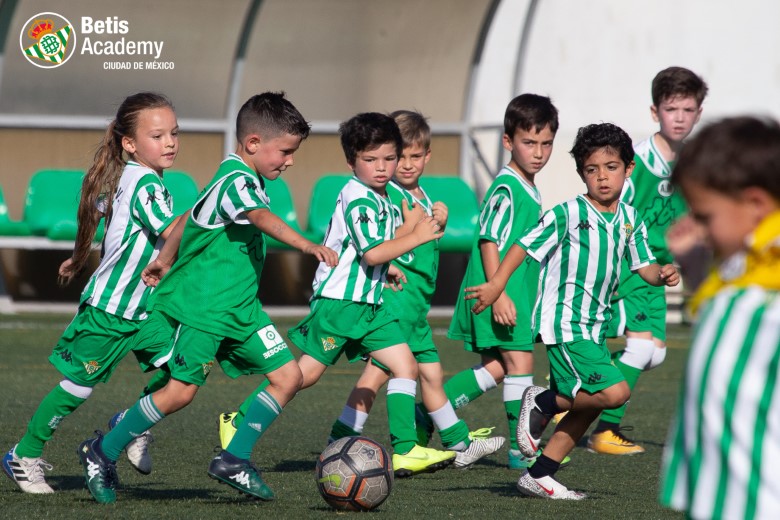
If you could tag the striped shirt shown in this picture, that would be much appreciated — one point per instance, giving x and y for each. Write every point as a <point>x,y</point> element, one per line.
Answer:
<point>213,284</point>
<point>363,219</point>
<point>725,439</point>
<point>580,251</point>
<point>141,210</point>
<point>499,209</point>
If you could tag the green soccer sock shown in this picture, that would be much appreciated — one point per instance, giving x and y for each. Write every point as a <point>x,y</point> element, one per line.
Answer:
<point>139,418</point>
<point>57,405</point>
<point>261,414</point>
<point>631,374</point>
<point>400,413</point>
<point>463,387</point>
<point>514,386</point>
<point>244,408</point>
<point>339,430</point>
<point>158,381</point>
<point>456,437</point>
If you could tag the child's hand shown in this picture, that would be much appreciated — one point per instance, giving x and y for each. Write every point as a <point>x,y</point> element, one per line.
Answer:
<point>154,272</point>
<point>65,272</point>
<point>412,214</point>
<point>485,294</point>
<point>440,213</point>
<point>669,275</point>
<point>504,312</point>
<point>395,279</point>
<point>427,229</point>
<point>323,254</point>
<point>684,235</point>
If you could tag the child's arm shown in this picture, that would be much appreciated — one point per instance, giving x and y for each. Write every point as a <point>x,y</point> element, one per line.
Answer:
<point>504,311</point>
<point>656,274</point>
<point>411,216</point>
<point>487,293</point>
<point>277,228</point>
<point>157,268</point>
<point>424,231</point>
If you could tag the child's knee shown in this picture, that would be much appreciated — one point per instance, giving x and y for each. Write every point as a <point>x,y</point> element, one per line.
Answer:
<point>288,378</point>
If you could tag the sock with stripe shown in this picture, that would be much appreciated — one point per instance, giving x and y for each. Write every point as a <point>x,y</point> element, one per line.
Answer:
<point>261,414</point>
<point>158,381</point>
<point>514,386</point>
<point>244,408</point>
<point>139,418</point>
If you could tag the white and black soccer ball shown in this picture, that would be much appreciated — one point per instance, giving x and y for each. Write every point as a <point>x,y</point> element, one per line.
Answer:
<point>354,474</point>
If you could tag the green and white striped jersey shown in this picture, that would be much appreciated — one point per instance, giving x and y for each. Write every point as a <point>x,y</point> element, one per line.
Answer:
<point>213,284</point>
<point>363,219</point>
<point>720,457</point>
<point>580,251</point>
<point>141,210</point>
<point>654,197</point>
<point>500,210</point>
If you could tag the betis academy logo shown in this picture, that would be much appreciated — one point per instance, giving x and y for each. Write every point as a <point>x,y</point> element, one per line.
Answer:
<point>47,40</point>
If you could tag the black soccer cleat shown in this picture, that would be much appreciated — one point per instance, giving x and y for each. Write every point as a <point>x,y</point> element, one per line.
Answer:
<point>240,474</point>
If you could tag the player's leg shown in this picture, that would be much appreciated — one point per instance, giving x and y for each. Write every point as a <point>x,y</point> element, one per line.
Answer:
<point>519,363</point>
<point>361,399</point>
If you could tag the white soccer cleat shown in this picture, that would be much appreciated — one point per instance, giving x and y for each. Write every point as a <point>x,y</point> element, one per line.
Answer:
<point>138,449</point>
<point>27,473</point>
<point>479,447</point>
<point>531,422</point>
<point>546,487</point>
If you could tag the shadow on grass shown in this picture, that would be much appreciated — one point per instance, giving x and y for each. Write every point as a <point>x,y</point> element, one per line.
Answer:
<point>296,465</point>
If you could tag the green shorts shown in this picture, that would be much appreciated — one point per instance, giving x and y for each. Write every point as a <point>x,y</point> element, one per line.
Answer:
<point>334,327</point>
<point>495,352</point>
<point>92,345</point>
<point>581,365</point>
<point>642,309</point>
<point>194,352</point>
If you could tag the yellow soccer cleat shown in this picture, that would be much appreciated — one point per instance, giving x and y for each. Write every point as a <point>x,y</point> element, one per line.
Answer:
<point>421,460</point>
<point>613,443</point>
<point>226,428</point>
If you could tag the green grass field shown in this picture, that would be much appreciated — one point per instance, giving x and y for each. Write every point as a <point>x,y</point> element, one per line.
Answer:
<point>179,487</point>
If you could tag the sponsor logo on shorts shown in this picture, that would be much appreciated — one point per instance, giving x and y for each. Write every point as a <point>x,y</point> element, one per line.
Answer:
<point>272,340</point>
<point>304,330</point>
<point>594,378</point>
<point>66,356</point>
<point>640,316</point>
<point>274,350</point>
<point>179,360</point>
<point>207,368</point>
<point>91,367</point>
<point>328,343</point>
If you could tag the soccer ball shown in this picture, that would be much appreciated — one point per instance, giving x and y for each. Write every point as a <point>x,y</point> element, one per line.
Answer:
<point>354,474</point>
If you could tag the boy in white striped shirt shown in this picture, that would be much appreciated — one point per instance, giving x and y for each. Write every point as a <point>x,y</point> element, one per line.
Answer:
<point>580,245</point>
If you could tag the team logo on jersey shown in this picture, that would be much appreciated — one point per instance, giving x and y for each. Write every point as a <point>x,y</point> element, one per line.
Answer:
<point>328,343</point>
<point>91,367</point>
<point>47,40</point>
<point>207,368</point>
<point>665,188</point>
<point>629,229</point>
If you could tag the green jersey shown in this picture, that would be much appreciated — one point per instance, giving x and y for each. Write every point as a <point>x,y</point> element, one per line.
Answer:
<point>653,195</point>
<point>725,438</point>
<point>511,205</point>
<point>213,284</point>
<point>363,219</point>
<point>580,251</point>
<point>140,211</point>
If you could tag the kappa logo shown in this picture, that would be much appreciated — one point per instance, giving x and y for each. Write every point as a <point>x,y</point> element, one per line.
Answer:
<point>584,224</point>
<point>179,360</point>
<point>91,367</point>
<point>328,343</point>
<point>250,185</point>
<point>66,356</point>
<point>594,378</point>
<point>47,40</point>
<point>304,330</point>
<point>640,316</point>
<point>241,478</point>
<point>150,197</point>
<point>363,219</point>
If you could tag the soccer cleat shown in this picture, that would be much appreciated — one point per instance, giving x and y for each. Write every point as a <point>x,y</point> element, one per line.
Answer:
<point>138,449</point>
<point>481,446</point>
<point>612,442</point>
<point>519,461</point>
<point>100,472</point>
<point>240,474</point>
<point>226,428</point>
<point>27,472</point>
<point>421,460</point>
<point>423,425</point>
<point>531,423</point>
<point>546,487</point>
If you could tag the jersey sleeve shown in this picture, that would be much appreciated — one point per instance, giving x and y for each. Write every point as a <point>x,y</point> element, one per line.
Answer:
<point>540,240</point>
<point>638,251</point>
<point>239,194</point>
<point>153,205</point>
<point>495,219</point>
<point>366,224</point>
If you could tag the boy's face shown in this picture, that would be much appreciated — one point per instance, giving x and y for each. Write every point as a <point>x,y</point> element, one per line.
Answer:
<point>376,167</point>
<point>604,174</point>
<point>677,116</point>
<point>530,149</point>
<point>411,165</point>
<point>273,155</point>
<point>727,219</point>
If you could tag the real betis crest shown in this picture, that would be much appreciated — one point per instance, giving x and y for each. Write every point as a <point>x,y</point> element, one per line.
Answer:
<point>47,40</point>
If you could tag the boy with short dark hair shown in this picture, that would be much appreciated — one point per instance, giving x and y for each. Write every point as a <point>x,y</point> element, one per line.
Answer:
<point>224,233</point>
<point>640,308</point>
<point>504,338</point>
<point>720,454</point>
<point>580,245</point>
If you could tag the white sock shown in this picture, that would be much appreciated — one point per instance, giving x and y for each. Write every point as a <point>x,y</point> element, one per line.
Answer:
<point>353,418</point>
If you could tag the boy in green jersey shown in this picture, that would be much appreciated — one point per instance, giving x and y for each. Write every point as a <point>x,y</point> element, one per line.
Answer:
<point>411,303</point>
<point>580,245</point>
<point>640,308</point>
<point>724,441</point>
<point>221,251</point>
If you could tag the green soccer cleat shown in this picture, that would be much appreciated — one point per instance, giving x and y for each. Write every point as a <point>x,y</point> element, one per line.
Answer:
<point>100,472</point>
<point>226,428</point>
<point>240,474</point>
<point>421,460</point>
